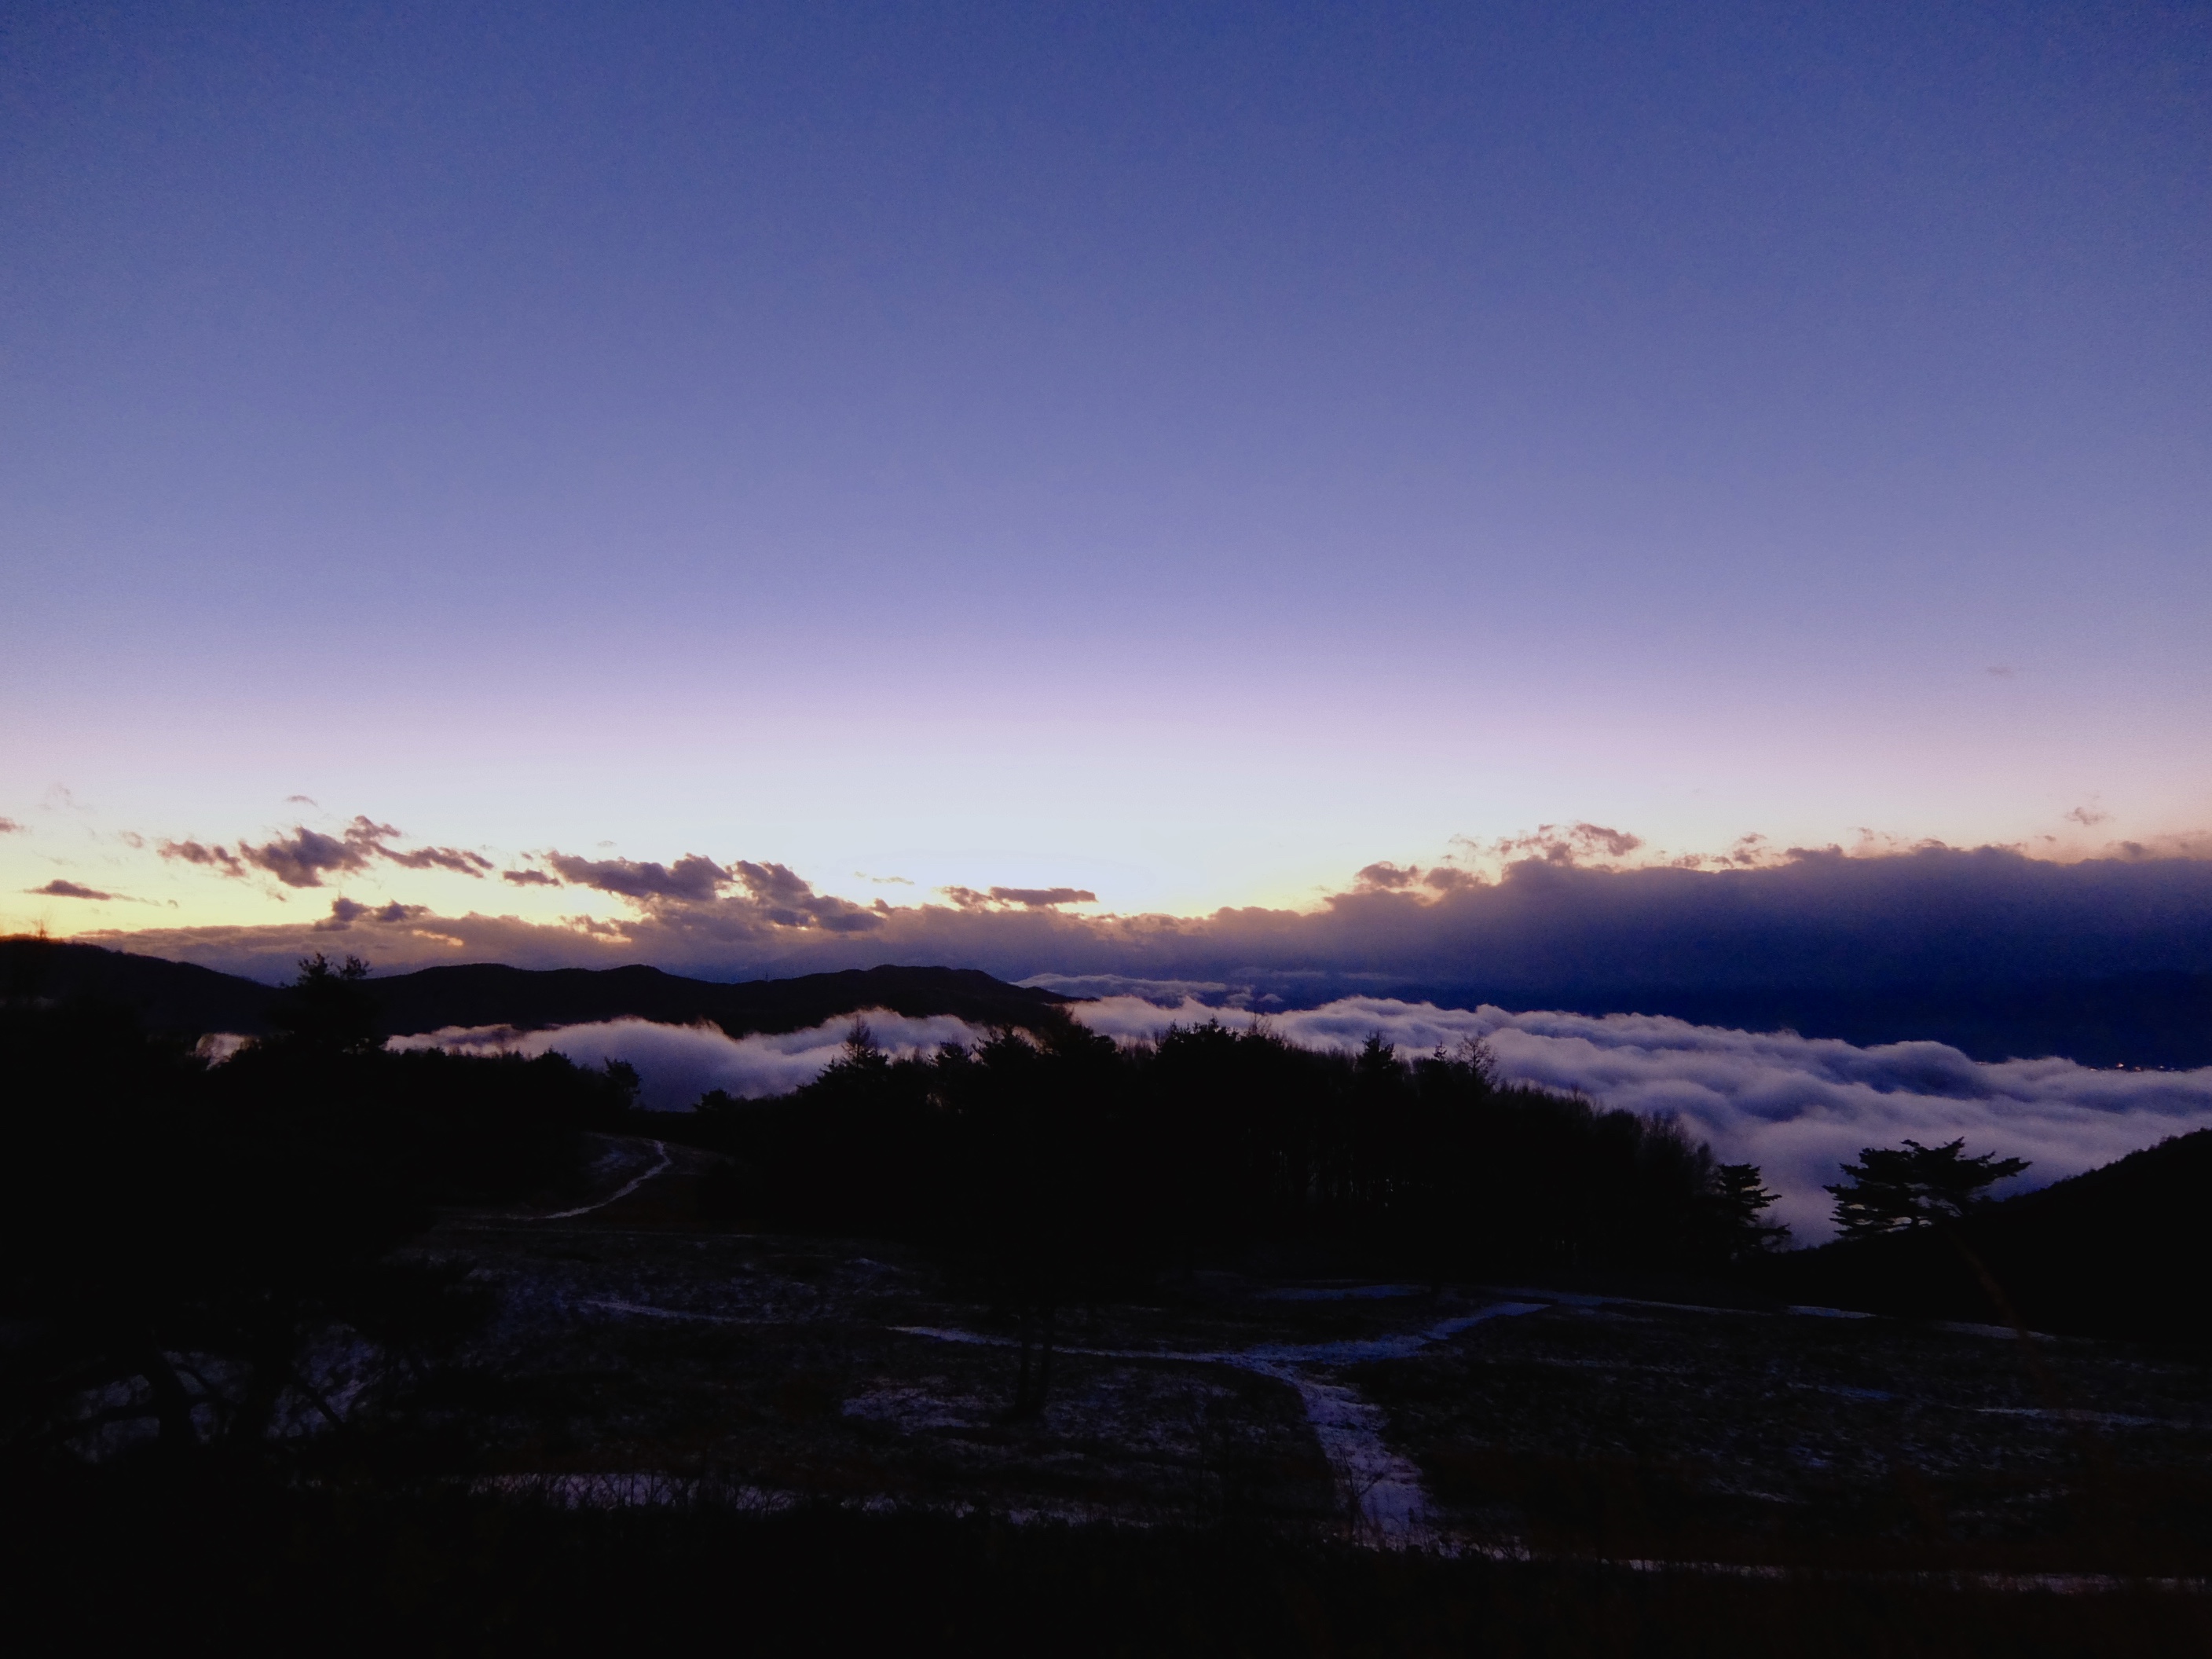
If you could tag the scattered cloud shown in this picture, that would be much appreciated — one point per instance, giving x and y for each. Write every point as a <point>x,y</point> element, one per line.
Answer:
<point>1747,851</point>
<point>882,881</point>
<point>1566,845</point>
<point>344,912</point>
<point>9,827</point>
<point>59,889</point>
<point>773,883</point>
<point>1043,898</point>
<point>458,860</point>
<point>692,878</point>
<point>1387,878</point>
<point>1025,898</point>
<point>366,838</point>
<point>2088,816</point>
<point>305,856</point>
<point>2001,671</point>
<point>781,899</point>
<point>690,893</point>
<point>301,801</point>
<point>1559,921</point>
<point>193,852</point>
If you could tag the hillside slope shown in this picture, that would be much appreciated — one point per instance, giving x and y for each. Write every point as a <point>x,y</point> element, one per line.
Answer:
<point>2119,1251</point>
<point>179,997</point>
<point>487,994</point>
<point>167,996</point>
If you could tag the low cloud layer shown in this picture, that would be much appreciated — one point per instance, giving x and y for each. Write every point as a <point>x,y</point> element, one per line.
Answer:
<point>676,1064</point>
<point>1798,1107</point>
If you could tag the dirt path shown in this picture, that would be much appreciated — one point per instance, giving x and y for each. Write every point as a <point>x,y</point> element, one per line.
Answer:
<point>1383,1491</point>
<point>666,1162</point>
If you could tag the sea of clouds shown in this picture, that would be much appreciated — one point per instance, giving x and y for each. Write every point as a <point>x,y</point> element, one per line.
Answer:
<point>676,1064</point>
<point>1797,1107</point>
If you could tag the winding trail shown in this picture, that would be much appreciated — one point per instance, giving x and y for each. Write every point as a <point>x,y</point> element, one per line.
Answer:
<point>1383,1490</point>
<point>620,1193</point>
<point>647,1311</point>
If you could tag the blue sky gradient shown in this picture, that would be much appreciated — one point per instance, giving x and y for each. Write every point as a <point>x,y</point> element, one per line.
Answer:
<point>1184,452</point>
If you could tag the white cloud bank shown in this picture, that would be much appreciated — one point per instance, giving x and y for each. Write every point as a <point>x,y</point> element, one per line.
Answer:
<point>676,1064</point>
<point>1797,1107</point>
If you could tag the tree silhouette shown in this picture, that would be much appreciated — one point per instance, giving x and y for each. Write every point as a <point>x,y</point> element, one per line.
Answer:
<point>191,1233</point>
<point>192,1247</point>
<point>1899,1188</point>
<point>328,1008</point>
<point>1739,1199</point>
<point>1061,1160</point>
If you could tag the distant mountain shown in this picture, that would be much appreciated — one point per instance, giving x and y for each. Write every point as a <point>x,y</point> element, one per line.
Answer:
<point>486,994</point>
<point>2120,1251</point>
<point>176,996</point>
<point>2139,1019</point>
<point>168,996</point>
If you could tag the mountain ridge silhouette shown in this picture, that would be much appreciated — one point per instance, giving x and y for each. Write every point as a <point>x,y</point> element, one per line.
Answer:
<point>2155,1019</point>
<point>189,999</point>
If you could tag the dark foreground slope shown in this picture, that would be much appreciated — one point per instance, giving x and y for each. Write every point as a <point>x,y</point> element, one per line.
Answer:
<point>175,997</point>
<point>179,997</point>
<point>2120,1251</point>
<point>181,1566</point>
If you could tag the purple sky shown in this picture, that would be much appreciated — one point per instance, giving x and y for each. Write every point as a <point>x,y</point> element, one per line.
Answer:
<point>1185,454</point>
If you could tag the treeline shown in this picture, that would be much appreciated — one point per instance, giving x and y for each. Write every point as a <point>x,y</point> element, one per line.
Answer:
<point>2100,1253</point>
<point>187,1245</point>
<point>1074,1156</point>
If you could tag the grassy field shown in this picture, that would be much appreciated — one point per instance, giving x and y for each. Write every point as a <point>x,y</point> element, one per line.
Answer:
<point>672,1429</point>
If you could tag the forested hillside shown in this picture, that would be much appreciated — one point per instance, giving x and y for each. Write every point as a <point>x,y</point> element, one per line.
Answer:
<point>180,998</point>
<point>2120,1251</point>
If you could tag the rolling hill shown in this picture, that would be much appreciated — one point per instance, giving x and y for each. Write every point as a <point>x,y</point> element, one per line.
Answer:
<point>2119,1251</point>
<point>179,997</point>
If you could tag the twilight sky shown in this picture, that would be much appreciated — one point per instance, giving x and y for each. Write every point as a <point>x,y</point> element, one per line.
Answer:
<point>1184,454</point>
